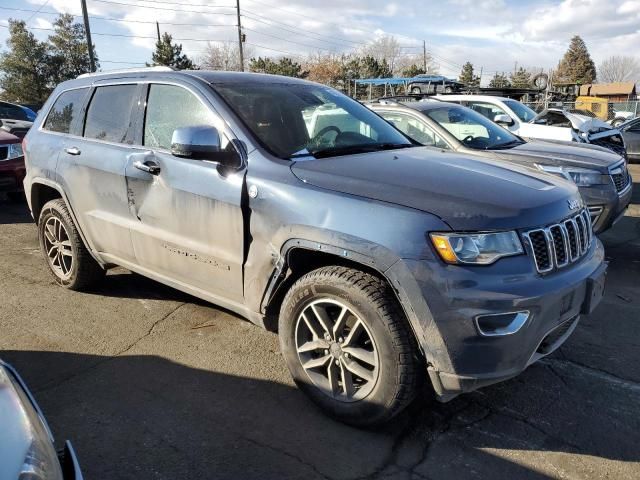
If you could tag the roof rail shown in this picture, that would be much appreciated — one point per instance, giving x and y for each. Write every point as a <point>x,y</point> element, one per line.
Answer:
<point>157,68</point>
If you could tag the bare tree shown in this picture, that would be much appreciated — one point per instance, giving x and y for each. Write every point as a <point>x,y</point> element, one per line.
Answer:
<point>384,48</point>
<point>223,56</point>
<point>619,69</point>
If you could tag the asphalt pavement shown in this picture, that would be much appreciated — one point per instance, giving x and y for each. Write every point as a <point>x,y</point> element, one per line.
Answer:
<point>150,383</point>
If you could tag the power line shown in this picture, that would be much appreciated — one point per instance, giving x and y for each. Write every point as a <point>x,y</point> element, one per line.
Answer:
<point>166,8</point>
<point>113,19</point>
<point>129,36</point>
<point>44,4</point>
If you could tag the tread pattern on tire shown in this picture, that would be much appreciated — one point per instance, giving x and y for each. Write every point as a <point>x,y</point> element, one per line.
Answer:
<point>393,318</point>
<point>89,272</point>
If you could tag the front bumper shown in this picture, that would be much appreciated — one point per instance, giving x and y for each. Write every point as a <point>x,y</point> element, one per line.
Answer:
<point>12,173</point>
<point>464,359</point>
<point>606,205</point>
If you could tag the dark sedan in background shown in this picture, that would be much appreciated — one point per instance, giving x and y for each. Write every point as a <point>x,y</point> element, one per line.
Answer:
<point>12,168</point>
<point>631,134</point>
<point>600,174</point>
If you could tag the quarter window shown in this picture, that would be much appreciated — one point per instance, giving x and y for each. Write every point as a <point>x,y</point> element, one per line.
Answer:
<point>65,111</point>
<point>109,116</point>
<point>170,107</point>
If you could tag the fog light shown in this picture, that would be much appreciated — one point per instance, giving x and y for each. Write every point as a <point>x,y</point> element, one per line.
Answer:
<point>498,324</point>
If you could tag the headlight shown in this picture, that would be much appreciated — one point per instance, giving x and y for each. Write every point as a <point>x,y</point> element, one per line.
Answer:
<point>476,248</point>
<point>27,436</point>
<point>582,177</point>
<point>15,151</point>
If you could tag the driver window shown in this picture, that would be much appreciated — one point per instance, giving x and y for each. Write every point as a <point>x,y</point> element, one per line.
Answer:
<point>414,129</point>
<point>170,107</point>
<point>488,110</point>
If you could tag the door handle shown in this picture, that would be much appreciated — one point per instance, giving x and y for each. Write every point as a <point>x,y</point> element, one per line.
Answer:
<point>150,167</point>
<point>72,150</point>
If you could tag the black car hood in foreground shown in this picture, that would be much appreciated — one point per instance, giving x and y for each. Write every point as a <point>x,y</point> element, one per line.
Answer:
<point>561,154</point>
<point>469,193</point>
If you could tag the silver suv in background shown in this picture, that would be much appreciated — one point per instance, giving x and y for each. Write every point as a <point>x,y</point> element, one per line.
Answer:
<point>379,262</point>
<point>549,125</point>
<point>601,175</point>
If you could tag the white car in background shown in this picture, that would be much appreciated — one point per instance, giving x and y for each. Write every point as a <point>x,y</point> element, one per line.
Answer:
<point>550,124</point>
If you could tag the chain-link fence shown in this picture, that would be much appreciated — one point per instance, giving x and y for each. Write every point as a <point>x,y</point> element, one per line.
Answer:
<point>612,112</point>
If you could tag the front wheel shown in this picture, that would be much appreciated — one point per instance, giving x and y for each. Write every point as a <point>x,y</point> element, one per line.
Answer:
<point>348,345</point>
<point>416,90</point>
<point>70,263</point>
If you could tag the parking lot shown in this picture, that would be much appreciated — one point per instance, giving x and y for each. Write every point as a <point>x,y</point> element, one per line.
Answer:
<point>150,383</point>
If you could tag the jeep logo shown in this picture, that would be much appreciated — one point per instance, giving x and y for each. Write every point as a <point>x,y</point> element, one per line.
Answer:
<point>573,204</point>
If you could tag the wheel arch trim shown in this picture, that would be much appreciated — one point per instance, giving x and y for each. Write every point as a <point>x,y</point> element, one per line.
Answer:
<point>56,186</point>
<point>397,275</point>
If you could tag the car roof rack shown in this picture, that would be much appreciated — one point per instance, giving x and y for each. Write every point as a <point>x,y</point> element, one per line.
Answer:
<point>396,99</point>
<point>157,68</point>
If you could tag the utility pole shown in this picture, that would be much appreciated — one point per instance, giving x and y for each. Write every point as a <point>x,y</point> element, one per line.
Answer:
<point>240,37</point>
<point>158,30</point>
<point>424,56</point>
<point>87,30</point>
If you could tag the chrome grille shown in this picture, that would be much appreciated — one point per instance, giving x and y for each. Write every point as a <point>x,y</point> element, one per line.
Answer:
<point>558,245</point>
<point>620,177</point>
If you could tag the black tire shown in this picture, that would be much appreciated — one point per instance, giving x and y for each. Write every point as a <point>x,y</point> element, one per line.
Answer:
<point>84,271</point>
<point>416,90</point>
<point>373,302</point>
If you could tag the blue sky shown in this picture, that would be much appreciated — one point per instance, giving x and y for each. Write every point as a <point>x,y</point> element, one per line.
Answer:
<point>492,34</point>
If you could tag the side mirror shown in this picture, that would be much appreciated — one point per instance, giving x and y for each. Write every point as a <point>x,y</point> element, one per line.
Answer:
<point>202,142</point>
<point>503,119</point>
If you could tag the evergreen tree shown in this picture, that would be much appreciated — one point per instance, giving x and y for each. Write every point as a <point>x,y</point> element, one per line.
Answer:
<point>468,77</point>
<point>285,66</point>
<point>499,80</point>
<point>68,49</point>
<point>576,66</point>
<point>25,70</point>
<point>170,54</point>
<point>413,71</point>
<point>521,78</point>
<point>369,67</point>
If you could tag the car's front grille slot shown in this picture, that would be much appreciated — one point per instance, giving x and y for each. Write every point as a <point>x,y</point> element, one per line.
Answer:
<point>4,153</point>
<point>620,177</point>
<point>540,246</point>
<point>558,245</point>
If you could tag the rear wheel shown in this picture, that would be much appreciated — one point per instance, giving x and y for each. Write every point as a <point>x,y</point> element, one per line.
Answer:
<point>348,345</point>
<point>70,263</point>
<point>416,90</point>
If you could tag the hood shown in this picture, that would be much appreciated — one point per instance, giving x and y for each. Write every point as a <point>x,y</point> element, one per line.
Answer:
<point>469,193</point>
<point>561,154</point>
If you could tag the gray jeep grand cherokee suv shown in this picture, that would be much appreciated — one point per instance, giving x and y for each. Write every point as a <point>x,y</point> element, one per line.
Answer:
<point>379,262</point>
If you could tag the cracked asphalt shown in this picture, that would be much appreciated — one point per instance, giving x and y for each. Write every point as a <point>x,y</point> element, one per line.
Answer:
<point>149,383</point>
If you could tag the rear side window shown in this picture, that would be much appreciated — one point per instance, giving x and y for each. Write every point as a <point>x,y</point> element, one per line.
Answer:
<point>109,116</point>
<point>64,111</point>
<point>170,107</point>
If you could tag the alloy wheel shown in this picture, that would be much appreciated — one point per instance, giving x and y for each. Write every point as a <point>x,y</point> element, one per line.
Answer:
<point>336,350</point>
<point>58,247</point>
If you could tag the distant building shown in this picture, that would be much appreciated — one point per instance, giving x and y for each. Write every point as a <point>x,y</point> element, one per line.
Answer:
<point>614,92</point>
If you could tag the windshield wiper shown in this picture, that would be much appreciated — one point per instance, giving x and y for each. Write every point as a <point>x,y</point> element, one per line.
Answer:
<point>501,146</point>
<point>354,149</point>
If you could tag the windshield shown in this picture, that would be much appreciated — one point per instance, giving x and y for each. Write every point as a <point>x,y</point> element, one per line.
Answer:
<point>523,112</point>
<point>306,120</point>
<point>472,129</point>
